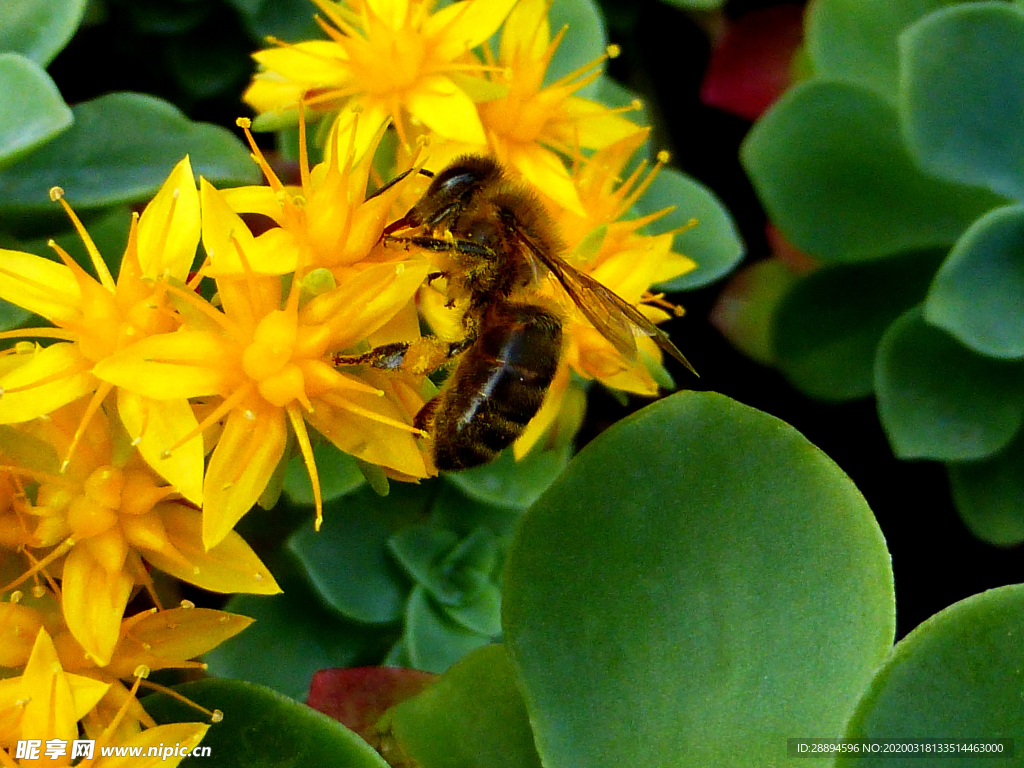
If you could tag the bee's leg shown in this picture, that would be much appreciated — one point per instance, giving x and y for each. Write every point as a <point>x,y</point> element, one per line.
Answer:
<point>423,356</point>
<point>388,357</point>
<point>442,245</point>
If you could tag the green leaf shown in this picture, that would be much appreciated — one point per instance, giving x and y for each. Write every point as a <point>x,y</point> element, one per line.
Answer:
<point>419,549</point>
<point>506,482</point>
<point>433,640</point>
<point>827,328</point>
<point>988,493</point>
<point>481,615</point>
<point>962,94</point>
<point>940,400</point>
<point>700,582</point>
<point>38,29</point>
<point>288,20</point>
<point>714,243</point>
<point>473,717</point>
<point>584,42</point>
<point>856,40</point>
<point>32,111</point>
<point>339,475</point>
<point>455,511</point>
<point>612,93</point>
<point>958,676</point>
<point>263,729</point>
<point>978,294</point>
<point>347,560</point>
<point>829,164</point>
<point>294,636</point>
<point>120,150</point>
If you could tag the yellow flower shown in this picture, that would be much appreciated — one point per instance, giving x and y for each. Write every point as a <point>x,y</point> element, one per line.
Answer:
<point>46,702</point>
<point>324,223</point>
<point>386,59</point>
<point>267,356</point>
<point>92,526</point>
<point>95,317</point>
<point>529,125</point>
<point>151,640</point>
<point>613,251</point>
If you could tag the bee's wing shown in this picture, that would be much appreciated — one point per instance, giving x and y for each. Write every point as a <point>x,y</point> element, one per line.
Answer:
<point>614,317</point>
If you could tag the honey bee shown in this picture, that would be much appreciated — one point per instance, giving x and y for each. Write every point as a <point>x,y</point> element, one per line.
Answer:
<point>498,242</point>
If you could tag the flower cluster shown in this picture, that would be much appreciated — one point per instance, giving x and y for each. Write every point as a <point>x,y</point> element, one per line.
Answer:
<point>160,405</point>
<point>446,89</point>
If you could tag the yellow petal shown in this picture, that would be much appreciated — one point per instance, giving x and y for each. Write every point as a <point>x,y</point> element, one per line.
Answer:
<point>319,63</point>
<point>230,566</point>
<point>94,603</point>
<point>593,125</point>
<point>441,106</point>
<point>268,93</point>
<point>224,232</point>
<point>525,33</point>
<point>155,426</point>
<point>40,285</point>
<point>367,115</point>
<point>50,709</point>
<point>546,171</point>
<point>53,376</point>
<point>356,432</point>
<point>19,626</point>
<point>257,199</point>
<point>463,26</point>
<point>240,468</point>
<point>363,304</point>
<point>165,739</point>
<point>169,638</point>
<point>169,226</point>
<point>171,366</point>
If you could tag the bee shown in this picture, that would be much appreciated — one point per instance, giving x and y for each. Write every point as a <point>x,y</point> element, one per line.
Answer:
<point>497,242</point>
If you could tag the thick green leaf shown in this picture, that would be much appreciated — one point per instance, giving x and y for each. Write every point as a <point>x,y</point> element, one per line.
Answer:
<point>829,164</point>
<point>612,93</point>
<point>473,717</point>
<point>288,20</point>
<point>120,149</point>
<point>827,328</point>
<point>347,561</point>
<point>32,111</point>
<point>957,677</point>
<point>482,614</point>
<point>988,495</point>
<point>294,636</point>
<point>940,400</point>
<point>434,641</point>
<point>962,94</point>
<point>697,5</point>
<point>856,40</point>
<point>455,511</point>
<point>38,29</point>
<point>419,549</point>
<point>510,483</point>
<point>263,729</point>
<point>714,243</point>
<point>978,294</point>
<point>700,583</point>
<point>584,42</point>
<point>339,475</point>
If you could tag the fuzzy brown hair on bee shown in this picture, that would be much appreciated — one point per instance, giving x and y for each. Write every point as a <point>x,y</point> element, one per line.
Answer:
<point>497,241</point>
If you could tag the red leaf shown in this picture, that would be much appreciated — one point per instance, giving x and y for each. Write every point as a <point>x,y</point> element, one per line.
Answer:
<point>750,66</point>
<point>358,697</point>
